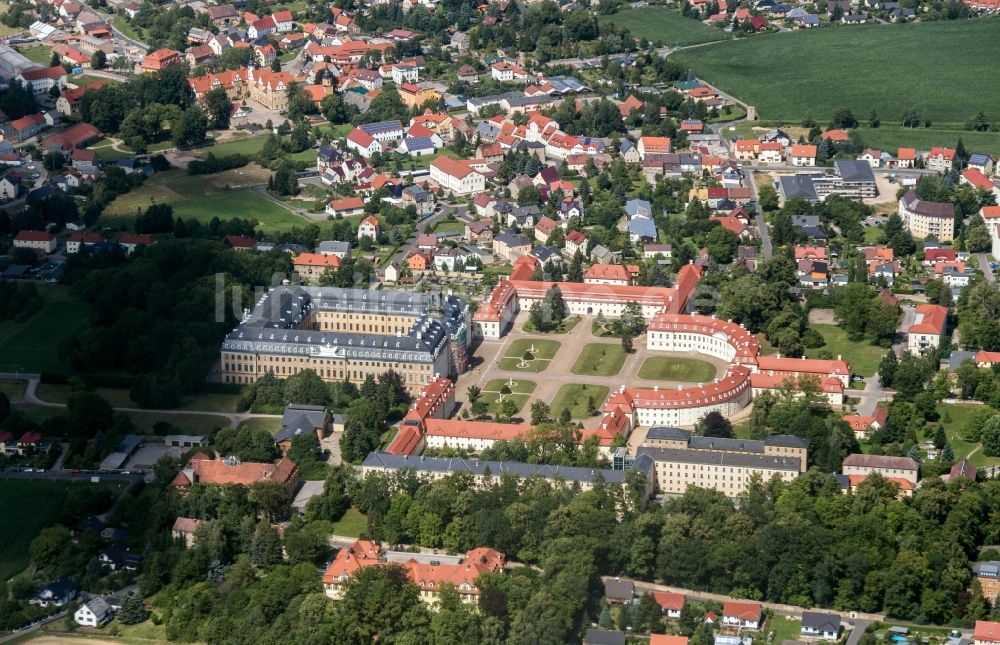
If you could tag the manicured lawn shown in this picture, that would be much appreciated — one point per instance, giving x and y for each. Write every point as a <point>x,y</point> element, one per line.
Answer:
<point>32,345</point>
<point>338,131</point>
<point>124,26</point>
<point>578,398</point>
<point>445,226</point>
<point>563,327</point>
<point>599,359</point>
<point>40,54</point>
<point>892,137</point>
<point>85,79</point>
<point>676,368</point>
<point>875,67</point>
<point>658,24</point>
<point>520,393</point>
<point>271,425</point>
<point>13,389</point>
<point>119,398</point>
<point>352,524</point>
<point>873,234</point>
<point>784,628</point>
<point>248,146</point>
<point>544,351</point>
<point>863,358</point>
<point>26,507</point>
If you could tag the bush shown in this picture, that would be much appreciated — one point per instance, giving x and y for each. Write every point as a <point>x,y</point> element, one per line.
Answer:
<point>213,164</point>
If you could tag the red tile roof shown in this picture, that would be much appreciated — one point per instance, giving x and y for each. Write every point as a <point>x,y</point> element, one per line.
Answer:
<point>931,319</point>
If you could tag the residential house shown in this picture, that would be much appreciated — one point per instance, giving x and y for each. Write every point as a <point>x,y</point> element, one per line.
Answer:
<point>41,80</point>
<point>457,176</point>
<point>80,240</point>
<point>57,593</point>
<point>544,228</point>
<point>986,633</point>
<point>420,261</point>
<point>241,242</point>
<point>96,612</point>
<point>480,231</point>
<point>132,241</point>
<point>595,636</point>
<point>608,274</point>
<point>889,467</point>
<point>742,615</point>
<point>300,419</point>
<point>927,219</point>
<point>41,242</point>
<point>576,242</point>
<point>312,266</point>
<point>369,227</point>
<point>331,247</point>
<point>422,200</point>
<point>346,207</point>
<point>618,591</point>
<point>509,245</point>
<point>928,329</point>
<point>671,603</point>
<point>392,272</point>
<point>906,158</point>
<point>160,59</point>
<point>653,146</point>
<point>803,155</point>
<point>365,144</point>
<point>184,528</point>
<point>940,159</point>
<point>819,626</point>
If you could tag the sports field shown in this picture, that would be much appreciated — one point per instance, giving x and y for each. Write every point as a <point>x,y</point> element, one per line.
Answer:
<point>677,368</point>
<point>224,195</point>
<point>662,25</point>
<point>924,66</point>
<point>32,345</point>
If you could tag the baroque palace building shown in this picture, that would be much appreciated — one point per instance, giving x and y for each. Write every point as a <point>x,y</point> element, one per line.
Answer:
<point>349,334</point>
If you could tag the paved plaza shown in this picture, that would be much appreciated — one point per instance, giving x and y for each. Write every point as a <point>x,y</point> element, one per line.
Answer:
<point>558,372</point>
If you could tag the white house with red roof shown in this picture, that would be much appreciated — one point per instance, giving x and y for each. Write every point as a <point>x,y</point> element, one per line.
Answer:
<point>283,20</point>
<point>906,157</point>
<point>986,633</point>
<point>802,154</point>
<point>363,143</point>
<point>671,603</point>
<point>346,207</point>
<point>457,176</point>
<point>940,159</point>
<point>977,179</point>
<point>77,241</point>
<point>369,227</point>
<point>43,79</point>
<point>608,274</point>
<point>38,241</point>
<point>508,72</point>
<point>575,241</point>
<point>742,615</point>
<point>928,328</point>
<point>653,146</point>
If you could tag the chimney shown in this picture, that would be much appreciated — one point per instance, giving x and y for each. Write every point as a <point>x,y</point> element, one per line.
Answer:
<point>656,388</point>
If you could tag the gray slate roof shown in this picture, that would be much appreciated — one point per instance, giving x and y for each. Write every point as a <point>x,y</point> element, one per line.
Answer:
<point>496,468</point>
<point>717,458</point>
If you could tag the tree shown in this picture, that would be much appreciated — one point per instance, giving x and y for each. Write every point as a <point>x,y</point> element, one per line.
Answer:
<point>133,610</point>
<point>50,545</point>
<point>714,424</point>
<point>474,392</point>
<point>940,439</point>
<point>218,108</point>
<point>887,368</point>
<point>873,120</point>
<point>991,437</point>
<point>189,128</point>
<point>362,430</point>
<point>99,59</point>
<point>88,413</point>
<point>265,547</point>
<point>842,118</point>
<point>540,412</point>
<point>508,408</point>
<point>306,387</point>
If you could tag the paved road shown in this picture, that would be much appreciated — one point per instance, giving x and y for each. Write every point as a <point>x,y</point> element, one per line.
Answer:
<point>984,266</point>
<point>762,228</point>
<point>859,630</point>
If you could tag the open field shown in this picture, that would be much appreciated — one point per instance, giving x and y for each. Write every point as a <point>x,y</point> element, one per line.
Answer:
<point>677,368</point>
<point>32,345</point>
<point>520,393</point>
<point>271,425</point>
<point>353,524</point>
<point>13,389</point>
<point>41,54</point>
<point>875,67</point>
<point>203,197</point>
<point>599,359</point>
<point>26,507</point>
<point>578,399</point>
<point>120,398</point>
<point>658,24</point>
<point>182,423</point>
<point>863,358</point>
<point>784,628</point>
<point>544,351</point>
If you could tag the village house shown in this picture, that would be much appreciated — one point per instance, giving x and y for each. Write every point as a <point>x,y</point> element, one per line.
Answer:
<point>928,329</point>
<point>509,245</point>
<point>888,467</point>
<point>456,176</point>
<point>42,242</point>
<point>940,159</point>
<point>96,612</point>
<point>369,227</point>
<point>184,528</point>
<point>312,266</point>
<point>742,615</point>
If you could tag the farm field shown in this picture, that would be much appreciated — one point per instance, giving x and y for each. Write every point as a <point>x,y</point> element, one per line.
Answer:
<point>676,368</point>
<point>875,67</point>
<point>863,358</point>
<point>578,397</point>
<point>658,24</point>
<point>203,197</point>
<point>33,345</point>
<point>599,359</point>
